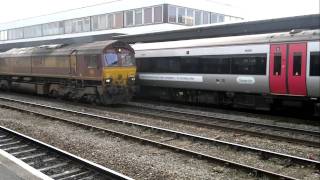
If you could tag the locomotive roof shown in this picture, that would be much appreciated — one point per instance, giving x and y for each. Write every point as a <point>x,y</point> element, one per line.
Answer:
<point>62,49</point>
<point>298,35</point>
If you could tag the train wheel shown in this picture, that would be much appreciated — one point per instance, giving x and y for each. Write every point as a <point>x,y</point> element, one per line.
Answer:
<point>106,99</point>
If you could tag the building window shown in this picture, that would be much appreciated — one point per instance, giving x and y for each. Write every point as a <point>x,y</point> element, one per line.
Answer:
<point>53,28</point>
<point>99,22</point>
<point>129,18</point>
<point>147,15</point>
<point>15,33</point>
<point>86,24</point>
<point>206,17</point>
<point>3,35</point>
<point>77,25</point>
<point>158,14</point>
<point>32,31</point>
<point>172,14</point>
<point>110,23</point>
<point>181,15</point>
<point>119,20</point>
<point>138,16</point>
<point>221,18</point>
<point>189,18</point>
<point>197,18</point>
<point>214,18</point>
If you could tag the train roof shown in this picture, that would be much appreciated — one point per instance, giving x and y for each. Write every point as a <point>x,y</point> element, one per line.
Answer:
<point>295,35</point>
<point>63,49</point>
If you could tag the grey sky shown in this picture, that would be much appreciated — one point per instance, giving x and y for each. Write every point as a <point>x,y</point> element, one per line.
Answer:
<point>248,9</point>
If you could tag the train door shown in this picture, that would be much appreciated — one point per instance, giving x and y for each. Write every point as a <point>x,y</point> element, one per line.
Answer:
<point>288,69</point>
<point>278,70</point>
<point>73,63</point>
<point>297,65</point>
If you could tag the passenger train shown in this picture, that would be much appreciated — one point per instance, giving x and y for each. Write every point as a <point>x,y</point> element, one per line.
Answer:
<point>251,71</point>
<point>102,72</point>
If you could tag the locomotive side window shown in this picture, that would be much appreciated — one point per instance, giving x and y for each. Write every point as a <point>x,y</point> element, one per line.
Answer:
<point>277,65</point>
<point>92,61</point>
<point>315,64</point>
<point>297,64</point>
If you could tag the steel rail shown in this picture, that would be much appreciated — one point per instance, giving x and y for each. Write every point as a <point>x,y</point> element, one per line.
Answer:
<point>291,139</point>
<point>252,169</point>
<point>33,151</point>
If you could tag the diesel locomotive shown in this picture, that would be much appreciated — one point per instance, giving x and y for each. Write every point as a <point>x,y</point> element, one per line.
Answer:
<point>253,71</point>
<point>101,72</point>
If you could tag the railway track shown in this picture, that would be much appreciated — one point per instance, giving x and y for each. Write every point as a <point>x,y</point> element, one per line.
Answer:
<point>53,162</point>
<point>282,133</point>
<point>168,139</point>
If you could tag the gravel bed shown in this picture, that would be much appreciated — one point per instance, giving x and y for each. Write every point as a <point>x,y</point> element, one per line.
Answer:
<point>131,158</point>
<point>263,143</point>
<point>251,159</point>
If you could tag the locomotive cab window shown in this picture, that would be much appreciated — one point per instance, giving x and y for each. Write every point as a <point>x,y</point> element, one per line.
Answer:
<point>315,64</point>
<point>297,64</point>
<point>120,58</point>
<point>111,59</point>
<point>277,65</point>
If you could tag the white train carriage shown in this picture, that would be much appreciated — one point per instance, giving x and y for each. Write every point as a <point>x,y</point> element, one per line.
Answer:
<point>252,71</point>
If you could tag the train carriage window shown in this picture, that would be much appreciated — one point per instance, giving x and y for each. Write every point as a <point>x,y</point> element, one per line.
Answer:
<point>235,64</point>
<point>315,64</point>
<point>2,62</point>
<point>297,64</point>
<point>215,65</point>
<point>277,65</point>
<point>249,65</point>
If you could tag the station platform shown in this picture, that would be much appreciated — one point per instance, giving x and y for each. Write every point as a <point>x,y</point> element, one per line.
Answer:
<point>12,168</point>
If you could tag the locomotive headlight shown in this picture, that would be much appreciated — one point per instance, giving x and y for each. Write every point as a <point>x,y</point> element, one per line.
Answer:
<point>132,78</point>
<point>108,81</point>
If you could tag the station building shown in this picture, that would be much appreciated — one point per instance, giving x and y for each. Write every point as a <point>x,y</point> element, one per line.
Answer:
<point>118,17</point>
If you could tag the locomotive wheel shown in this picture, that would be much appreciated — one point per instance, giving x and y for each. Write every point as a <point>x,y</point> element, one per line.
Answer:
<point>106,99</point>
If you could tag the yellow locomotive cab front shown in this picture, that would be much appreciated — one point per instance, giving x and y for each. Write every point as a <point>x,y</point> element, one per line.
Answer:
<point>119,75</point>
